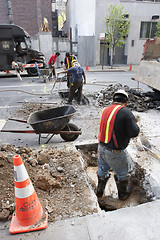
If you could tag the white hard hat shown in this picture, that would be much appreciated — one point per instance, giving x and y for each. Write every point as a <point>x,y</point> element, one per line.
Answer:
<point>75,63</point>
<point>121,91</point>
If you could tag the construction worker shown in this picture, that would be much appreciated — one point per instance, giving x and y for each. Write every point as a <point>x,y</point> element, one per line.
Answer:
<point>117,126</point>
<point>68,64</point>
<point>77,81</point>
<point>51,63</point>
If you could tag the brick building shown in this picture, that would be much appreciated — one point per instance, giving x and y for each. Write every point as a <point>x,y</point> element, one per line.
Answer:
<point>28,14</point>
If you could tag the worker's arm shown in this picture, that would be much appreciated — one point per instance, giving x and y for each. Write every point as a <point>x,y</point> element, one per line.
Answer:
<point>84,76</point>
<point>65,71</point>
<point>52,63</point>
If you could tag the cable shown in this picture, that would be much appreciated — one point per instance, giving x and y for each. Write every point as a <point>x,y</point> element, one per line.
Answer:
<point>39,94</point>
<point>10,90</point>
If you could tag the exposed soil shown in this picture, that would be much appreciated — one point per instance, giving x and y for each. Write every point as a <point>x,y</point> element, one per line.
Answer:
<point>57,176</point>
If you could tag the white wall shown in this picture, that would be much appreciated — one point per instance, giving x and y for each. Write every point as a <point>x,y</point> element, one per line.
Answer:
<point>81,14</point>
<point>138,11</point>
<point>44,43</point>
<point>89,17</point>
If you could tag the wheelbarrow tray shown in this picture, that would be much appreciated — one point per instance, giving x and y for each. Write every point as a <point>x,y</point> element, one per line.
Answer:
<point>54,119</point>
<point>44,71</point>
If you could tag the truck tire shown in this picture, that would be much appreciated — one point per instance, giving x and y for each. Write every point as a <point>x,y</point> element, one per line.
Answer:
<point>70,137</point>
<point>32,71</point>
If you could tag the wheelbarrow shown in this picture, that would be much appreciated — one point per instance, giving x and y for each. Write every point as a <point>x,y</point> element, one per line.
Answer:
<point>44,72</point>
<point>51,121</point>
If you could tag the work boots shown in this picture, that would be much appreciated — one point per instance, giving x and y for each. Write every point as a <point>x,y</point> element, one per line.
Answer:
<point>101,186</point>
<point>124,189</point>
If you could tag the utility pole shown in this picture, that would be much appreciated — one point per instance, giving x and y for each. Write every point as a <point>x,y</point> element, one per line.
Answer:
<point>70,40</point>
<point>104,51</point>
<point>10,14</point>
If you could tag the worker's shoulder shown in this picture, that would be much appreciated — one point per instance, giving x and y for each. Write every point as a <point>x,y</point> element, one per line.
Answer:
<point>125,112</point>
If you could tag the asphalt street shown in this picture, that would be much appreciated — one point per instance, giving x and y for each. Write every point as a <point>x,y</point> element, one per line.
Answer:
<point>13,93</point>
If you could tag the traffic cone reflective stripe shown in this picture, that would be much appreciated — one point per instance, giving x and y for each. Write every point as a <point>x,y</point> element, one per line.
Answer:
<point>28,208</point>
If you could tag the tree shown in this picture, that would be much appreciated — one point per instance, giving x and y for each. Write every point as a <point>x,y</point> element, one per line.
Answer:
<point>117,27</point>
<point>157,34</point>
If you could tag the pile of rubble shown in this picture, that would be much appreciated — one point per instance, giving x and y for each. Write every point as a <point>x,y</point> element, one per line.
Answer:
<point>138,101</point>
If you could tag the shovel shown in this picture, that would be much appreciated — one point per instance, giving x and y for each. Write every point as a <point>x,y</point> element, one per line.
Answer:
<point>147,146</point>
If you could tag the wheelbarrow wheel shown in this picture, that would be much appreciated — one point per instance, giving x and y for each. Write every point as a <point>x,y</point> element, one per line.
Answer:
<point>70,137</point>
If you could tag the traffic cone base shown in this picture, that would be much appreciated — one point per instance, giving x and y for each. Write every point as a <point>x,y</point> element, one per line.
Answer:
<point>25,210</point>
<point>28,210</point>
<point>15,227</point>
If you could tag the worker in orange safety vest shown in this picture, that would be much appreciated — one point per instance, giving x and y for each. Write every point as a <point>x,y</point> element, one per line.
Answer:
<point>117,126</point>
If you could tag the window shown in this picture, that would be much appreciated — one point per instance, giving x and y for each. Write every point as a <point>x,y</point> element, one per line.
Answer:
<point>148,29</point>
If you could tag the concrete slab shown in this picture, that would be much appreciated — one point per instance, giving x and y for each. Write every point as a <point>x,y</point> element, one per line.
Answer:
<point>139,223</point>
<point>148,73</point>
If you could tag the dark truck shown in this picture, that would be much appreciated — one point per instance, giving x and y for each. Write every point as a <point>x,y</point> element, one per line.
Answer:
<point>15,45</point>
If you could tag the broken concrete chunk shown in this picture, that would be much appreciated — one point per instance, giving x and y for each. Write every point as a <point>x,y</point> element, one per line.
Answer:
<point>43,158</point>
<point>45,182</point>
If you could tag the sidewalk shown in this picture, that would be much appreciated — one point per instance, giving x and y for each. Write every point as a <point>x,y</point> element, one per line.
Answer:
<point>116,68</point>
<point>134,223</point>
<point>98,68</point>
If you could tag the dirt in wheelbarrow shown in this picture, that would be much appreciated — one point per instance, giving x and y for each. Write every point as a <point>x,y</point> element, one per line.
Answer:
<point>57,176</point>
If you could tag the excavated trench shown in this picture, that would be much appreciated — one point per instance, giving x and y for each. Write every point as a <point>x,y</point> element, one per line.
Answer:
<point>140,185</point>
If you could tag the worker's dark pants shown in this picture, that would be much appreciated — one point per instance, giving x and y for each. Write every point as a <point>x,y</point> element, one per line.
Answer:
<point>120,163</point>
<point>69,80</point>
<point>76,86</point>
<point>52,71</point>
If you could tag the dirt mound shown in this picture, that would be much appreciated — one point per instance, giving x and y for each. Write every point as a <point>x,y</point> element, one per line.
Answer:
<point>57,176</point>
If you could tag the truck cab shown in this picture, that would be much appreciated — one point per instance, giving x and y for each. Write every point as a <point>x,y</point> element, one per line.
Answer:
<point>15,45</point>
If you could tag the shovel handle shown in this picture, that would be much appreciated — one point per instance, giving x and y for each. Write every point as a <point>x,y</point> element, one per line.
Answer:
<point>156,156</point>
<point>151,152</point>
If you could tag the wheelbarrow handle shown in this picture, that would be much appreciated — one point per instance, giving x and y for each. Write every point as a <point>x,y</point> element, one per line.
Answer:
<point>17,120</point>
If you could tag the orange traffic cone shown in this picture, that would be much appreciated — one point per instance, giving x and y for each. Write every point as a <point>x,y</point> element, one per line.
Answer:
<point>87,68</point>
<point>28,208</point>
<point>130,67</point>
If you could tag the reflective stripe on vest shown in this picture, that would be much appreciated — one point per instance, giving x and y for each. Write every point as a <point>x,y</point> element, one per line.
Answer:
<point>108,123</point>
<point>68,65</point>
<point>106,131</point>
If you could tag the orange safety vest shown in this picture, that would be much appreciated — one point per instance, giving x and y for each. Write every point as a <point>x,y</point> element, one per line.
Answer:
<point>106,131</point>
<point>69,63</point>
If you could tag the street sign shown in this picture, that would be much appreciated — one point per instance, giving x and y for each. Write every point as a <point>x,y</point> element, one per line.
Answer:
<point>102,36</point>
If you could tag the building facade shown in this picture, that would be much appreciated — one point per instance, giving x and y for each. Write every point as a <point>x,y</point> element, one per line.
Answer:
<point>28,14</point>
<point>87,20</point>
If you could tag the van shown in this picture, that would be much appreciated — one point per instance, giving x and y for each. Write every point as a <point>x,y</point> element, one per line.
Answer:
<point>15,45</point>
